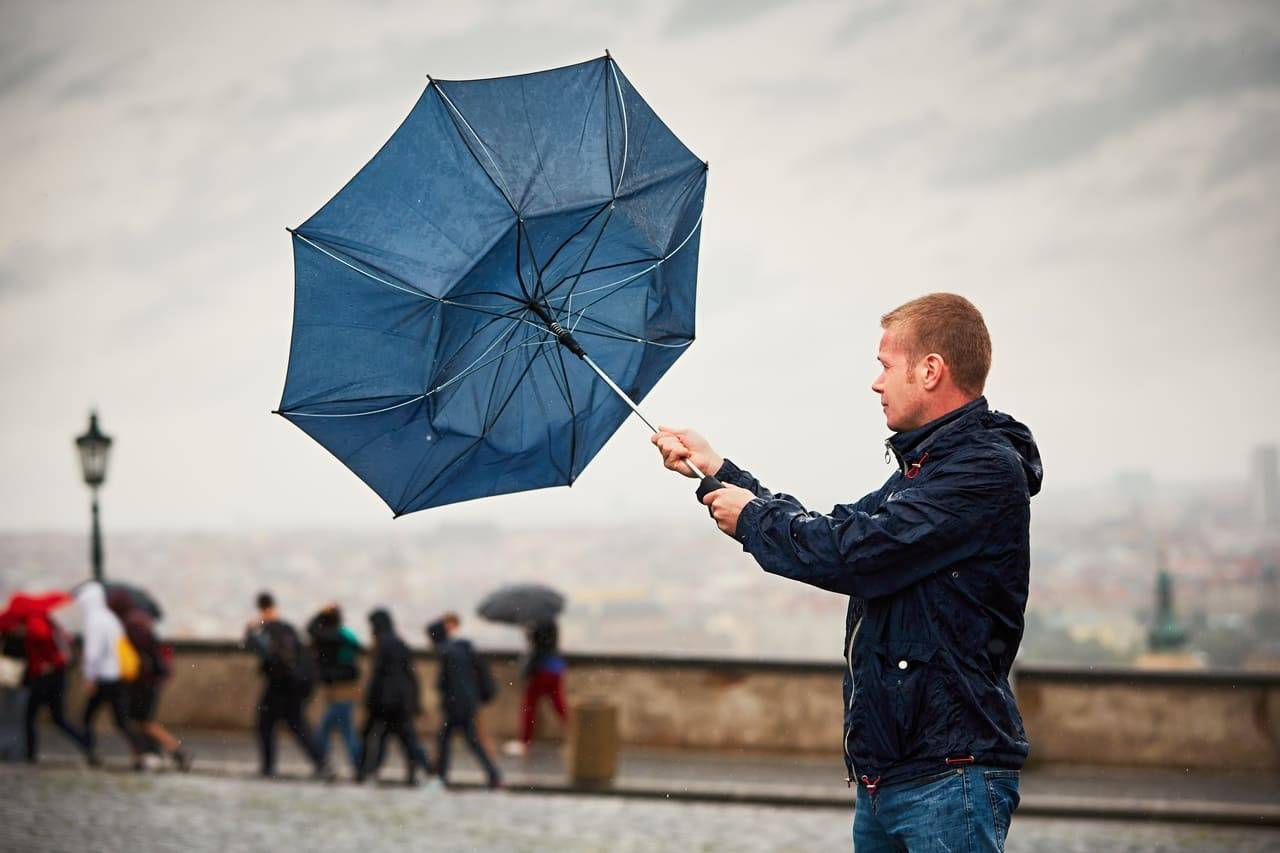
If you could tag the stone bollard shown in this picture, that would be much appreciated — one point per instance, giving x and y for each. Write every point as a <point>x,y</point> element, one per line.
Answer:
<point>591,752</point>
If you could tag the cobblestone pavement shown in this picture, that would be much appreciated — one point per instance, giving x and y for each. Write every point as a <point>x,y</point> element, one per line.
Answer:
<point>73,809</point>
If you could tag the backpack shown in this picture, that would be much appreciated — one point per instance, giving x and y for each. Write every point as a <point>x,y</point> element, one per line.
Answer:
<point>130,662</point>
<point>284,659</point>
<point>486,687</point>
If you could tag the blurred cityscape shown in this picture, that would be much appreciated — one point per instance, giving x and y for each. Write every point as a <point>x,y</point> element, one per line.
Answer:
<point>1096,557</point>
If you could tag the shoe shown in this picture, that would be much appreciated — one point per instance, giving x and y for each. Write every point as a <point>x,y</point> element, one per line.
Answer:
<point>151,762</point>
<point>432,786</point>
<point>517,748</point>
<point>496,785</point>
<point>93,759</point>
<point>183,760</point>
<point>325,773</point>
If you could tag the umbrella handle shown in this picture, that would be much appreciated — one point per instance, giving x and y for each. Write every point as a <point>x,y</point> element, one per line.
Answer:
<point>708,485</point>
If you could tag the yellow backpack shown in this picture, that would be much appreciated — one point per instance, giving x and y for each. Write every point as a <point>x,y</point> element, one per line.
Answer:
<point>130,663</point>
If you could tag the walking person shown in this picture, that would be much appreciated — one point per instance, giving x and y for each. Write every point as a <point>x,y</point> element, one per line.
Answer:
<point>543,672</point>
<point>103,669</point>
<point>392,700</point>
<point>286,675</point>
<point>336,647</point>
<point>143,692</point>
<point>935,564</point>
<point>46,650</point>
<point>465,684</point>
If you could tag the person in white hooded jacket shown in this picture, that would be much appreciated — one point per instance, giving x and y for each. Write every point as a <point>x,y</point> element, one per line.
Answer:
<point>100,667</point>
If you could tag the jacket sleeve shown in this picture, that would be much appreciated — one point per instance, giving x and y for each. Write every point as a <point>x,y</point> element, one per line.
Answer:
<point>871,552</point>
<point>735,476</point>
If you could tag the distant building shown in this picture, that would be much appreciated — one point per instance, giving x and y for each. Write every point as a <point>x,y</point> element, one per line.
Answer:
<point>1265,486</point>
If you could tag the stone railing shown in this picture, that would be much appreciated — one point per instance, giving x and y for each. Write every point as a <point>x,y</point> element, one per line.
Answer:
<point>1219,720</point>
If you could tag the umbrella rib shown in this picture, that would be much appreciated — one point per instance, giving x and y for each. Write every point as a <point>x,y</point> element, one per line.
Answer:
<point>623,334</point>
<point>410,290</point>
<point>298,414</point>
<point>504,189</point>
<point>618,285</point>
<point>622,107</point>
<point>586,260</point>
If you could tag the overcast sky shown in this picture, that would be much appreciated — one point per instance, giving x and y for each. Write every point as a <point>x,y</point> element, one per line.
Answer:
<point>1099,178</point>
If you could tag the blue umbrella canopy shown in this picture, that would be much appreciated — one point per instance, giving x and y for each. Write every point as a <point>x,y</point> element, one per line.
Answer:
<point>478,309</point>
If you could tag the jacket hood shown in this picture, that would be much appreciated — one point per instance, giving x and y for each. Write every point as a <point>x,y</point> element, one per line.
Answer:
<point>92,598</point>
<point>1022,442</point>
<point>380,623</point>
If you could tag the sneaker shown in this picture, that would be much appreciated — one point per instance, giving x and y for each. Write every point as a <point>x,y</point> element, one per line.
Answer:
<point>152,762</point>
<point>432,785</point>
<point>516,748</point>
<point>93,759</point>
<point>183,760</point>
<point>325,773</point>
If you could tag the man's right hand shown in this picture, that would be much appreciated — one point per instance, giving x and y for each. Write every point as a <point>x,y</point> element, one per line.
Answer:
<point>680,445</point>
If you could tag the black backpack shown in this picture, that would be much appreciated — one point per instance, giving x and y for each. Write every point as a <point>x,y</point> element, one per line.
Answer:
<point>284,659</point>
<point>486,687</point>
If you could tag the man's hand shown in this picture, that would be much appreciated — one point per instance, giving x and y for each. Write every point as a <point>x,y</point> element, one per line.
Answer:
<point>726,505</point>
<point>90,688</point>
<point>680,445</point>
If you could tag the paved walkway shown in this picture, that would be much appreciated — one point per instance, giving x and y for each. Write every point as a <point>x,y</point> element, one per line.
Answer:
<point>61,807</point>
<point>729,777</point>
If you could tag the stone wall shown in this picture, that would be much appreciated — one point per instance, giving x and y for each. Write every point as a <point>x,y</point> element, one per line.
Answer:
<point>1102,716</point>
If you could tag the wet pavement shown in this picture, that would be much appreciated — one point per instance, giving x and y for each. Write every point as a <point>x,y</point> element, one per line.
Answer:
<point>61,806</point>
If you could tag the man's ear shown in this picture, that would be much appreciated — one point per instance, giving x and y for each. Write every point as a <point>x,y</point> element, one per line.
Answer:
<point>932,368</point>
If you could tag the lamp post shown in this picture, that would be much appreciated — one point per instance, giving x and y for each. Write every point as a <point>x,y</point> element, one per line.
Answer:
<point>94,446</point>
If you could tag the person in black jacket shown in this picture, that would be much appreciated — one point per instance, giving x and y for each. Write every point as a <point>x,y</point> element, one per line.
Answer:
<point>936,566</point>
<point>465,684</point>
<point>392,699</point>
<point>286,671</point>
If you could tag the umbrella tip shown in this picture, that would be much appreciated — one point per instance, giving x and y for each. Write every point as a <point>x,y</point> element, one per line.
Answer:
<point>290,230</point>
<point>430,79</point>
<point>706,165</point>
<point>607,54</point>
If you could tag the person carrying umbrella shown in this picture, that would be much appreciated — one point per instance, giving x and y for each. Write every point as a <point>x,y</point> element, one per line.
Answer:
<point>465,684</point>
<point>46,649</point>
<point>154,668</point>
<point>392,700</point>
<point>935,564</point>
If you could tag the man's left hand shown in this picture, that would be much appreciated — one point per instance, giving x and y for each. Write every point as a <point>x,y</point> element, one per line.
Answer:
<point>726,505</point>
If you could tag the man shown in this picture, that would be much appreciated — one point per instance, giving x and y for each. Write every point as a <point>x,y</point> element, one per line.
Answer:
<point>286,672</point>
<point>935,564</point>
<point>392,699</point>
<point>336,648</point>
<point>465,684</point>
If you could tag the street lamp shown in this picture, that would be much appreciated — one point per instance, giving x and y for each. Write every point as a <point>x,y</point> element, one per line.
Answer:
<point>94,446</point>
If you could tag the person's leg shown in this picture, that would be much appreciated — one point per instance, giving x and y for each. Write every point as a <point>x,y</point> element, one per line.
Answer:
<point>936,814</point>
<point>347,730</point>
<point>529,709</point>
<point>442,751</point>
<point>328,722</point>
<point>86,723</point>
<point>298,725</point>
<point>869,835</point>
<point>36,696</point>
<point>55,696</point>
<point>555,681</point>
<point>267,733</point>
<point>366,765</point>
<point>473,741</point>
<point>118,699</point>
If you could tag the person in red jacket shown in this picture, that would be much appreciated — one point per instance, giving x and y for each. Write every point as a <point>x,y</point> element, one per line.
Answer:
<point>47,649</point>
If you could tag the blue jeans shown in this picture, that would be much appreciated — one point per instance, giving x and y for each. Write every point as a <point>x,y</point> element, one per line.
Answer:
<point>340,716</point>
<point>963,809</point>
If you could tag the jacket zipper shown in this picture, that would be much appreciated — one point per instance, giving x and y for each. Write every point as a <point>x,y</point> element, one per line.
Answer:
<point>853,692</point>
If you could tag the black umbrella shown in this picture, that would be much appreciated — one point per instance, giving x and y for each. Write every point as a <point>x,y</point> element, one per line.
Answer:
<point>137,596</point>
<point>521,604</point>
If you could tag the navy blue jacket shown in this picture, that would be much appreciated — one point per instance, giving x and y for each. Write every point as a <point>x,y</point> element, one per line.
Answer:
<point>935,564</point>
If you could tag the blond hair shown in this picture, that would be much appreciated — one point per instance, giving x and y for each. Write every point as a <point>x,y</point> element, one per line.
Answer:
<point>949,325</point>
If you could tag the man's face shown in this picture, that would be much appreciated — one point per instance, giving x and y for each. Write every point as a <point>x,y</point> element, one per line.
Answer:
<point>901,394</point>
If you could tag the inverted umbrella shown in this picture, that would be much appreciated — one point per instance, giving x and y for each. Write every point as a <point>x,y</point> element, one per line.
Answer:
<point>22,605</point>
<point>128,595</point>
<point>481,306</point>
<point>521,604</point>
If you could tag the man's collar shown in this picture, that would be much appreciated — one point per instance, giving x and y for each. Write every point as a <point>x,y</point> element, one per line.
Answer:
<point>904,443</point>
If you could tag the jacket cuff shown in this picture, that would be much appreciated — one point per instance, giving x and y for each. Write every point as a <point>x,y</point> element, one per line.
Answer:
<point>732,474</point>
<point>748,521</point>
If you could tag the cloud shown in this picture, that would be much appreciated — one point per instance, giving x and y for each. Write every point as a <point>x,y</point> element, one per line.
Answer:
<point>1172,76</point>
<point>693,17</point>
<point>1253,145</point>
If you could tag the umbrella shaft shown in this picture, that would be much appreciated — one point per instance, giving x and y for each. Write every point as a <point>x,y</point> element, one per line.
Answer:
<point>693,469</point>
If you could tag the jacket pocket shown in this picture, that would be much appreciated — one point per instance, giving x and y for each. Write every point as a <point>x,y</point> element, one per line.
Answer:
<point>908,680</point>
